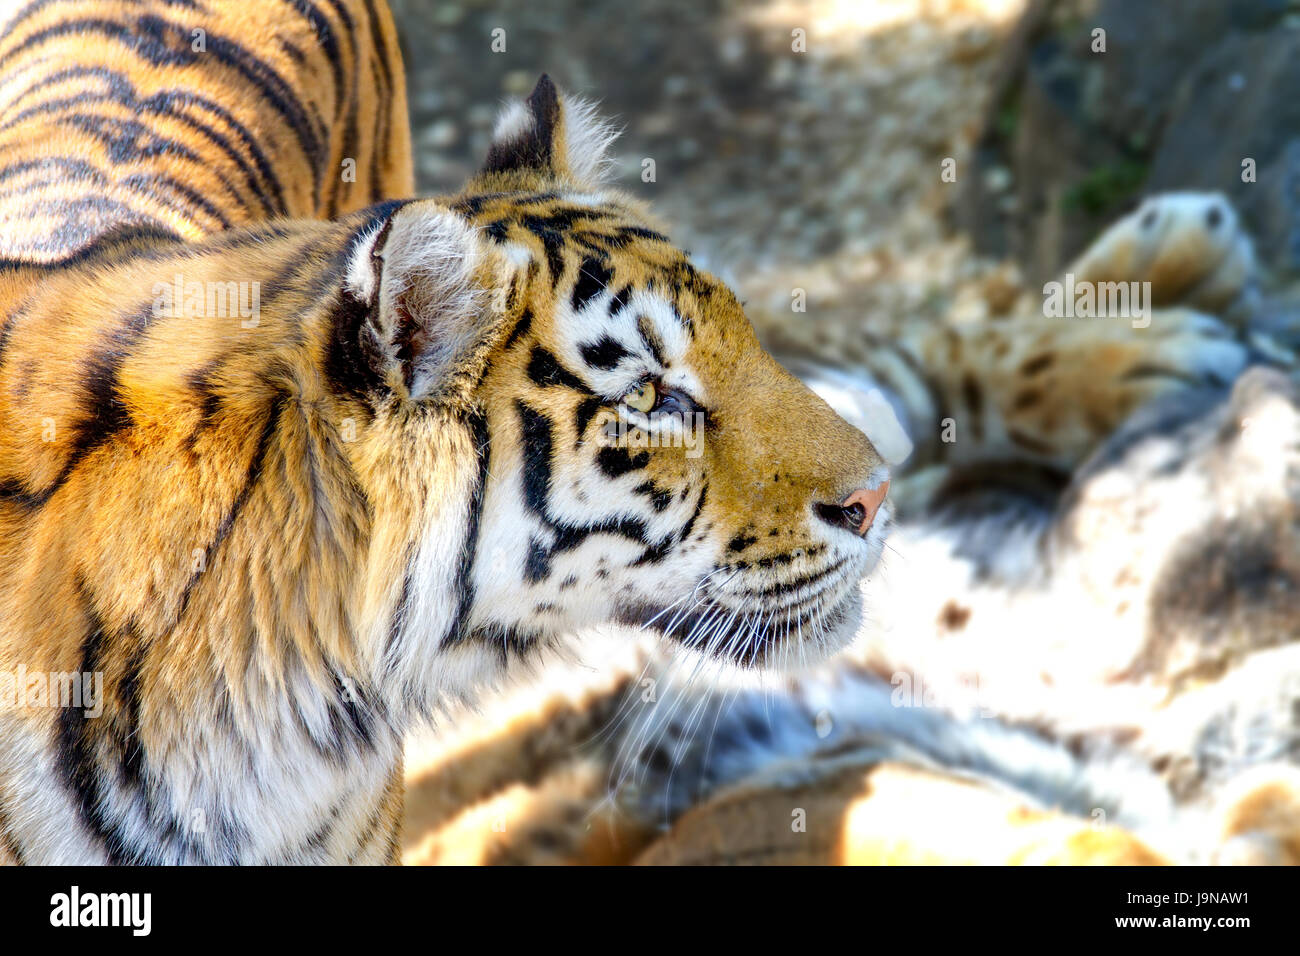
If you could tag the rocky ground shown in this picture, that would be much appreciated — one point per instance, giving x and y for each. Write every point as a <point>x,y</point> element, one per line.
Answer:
<point>779,169</point>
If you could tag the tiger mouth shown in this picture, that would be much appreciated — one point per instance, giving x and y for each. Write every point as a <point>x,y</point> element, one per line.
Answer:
<point>806,628</point>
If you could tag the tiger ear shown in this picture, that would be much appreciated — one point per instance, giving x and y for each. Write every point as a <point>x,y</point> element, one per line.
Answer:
<point>551,136</point>
<point>425,281</point>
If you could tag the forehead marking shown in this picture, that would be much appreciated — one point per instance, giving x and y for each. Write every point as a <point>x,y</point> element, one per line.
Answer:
<point>593,277</point>
<point>651,339</point>
<point>544,371</point>
<point>604,353</point>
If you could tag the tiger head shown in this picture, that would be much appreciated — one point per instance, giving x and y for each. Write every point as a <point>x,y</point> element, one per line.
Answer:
<point>645,461</point>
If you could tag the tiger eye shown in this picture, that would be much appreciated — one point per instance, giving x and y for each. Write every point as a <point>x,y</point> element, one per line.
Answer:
<point>642,398</point>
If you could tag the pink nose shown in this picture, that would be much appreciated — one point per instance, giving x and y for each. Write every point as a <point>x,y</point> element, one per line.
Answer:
<point>868,502</point>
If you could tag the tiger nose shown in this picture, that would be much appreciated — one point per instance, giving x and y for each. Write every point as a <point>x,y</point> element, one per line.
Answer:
<point>857,511</point>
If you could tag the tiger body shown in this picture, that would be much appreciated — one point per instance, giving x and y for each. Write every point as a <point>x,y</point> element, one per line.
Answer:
<point>183,420</point>
<point>129,126</point>
<point>431,437</point>
<point>189,119</point>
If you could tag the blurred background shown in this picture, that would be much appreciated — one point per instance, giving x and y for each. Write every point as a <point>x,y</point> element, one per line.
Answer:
<point>819,169</point>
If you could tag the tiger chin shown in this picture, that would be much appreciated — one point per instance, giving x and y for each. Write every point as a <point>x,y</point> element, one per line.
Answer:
<point>455,430</point>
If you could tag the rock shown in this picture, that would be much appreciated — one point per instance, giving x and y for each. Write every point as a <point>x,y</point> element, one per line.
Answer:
<point>1182,93</point>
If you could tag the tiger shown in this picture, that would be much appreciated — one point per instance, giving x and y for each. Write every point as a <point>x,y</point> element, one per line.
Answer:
<point>291,462</point>
<point>284,470</point>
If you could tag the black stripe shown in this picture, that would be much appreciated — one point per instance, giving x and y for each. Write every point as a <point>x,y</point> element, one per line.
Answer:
<point>594,276</point>
<point>251,476</point>
<point>605,353</point>
<point>97,754</point>
<point>552,244</point>
<point>294,51</point>
<point>398,621</point>
<point>616,462</point>
<point>784,588</point>
<point>380,55</point>
<point>640,232</point>
<point>660,498</point>
<point>319,839</point>
<point>537,448</point>
<point>650,336</point>
<point>537,564</point>
<point>352,719</point>
<point>508,640</point>
<point>582,417</point>
<point>328,43</point>
<point>127,140</point>
<point>63,167</point>
<point>545,371</point>
<point>469,547</point>
<point>106,414</point>
<point>521,327</point>
<point>740,542</point>
<point>695,515</point>
<point>537,441</point>
<point>379,135</point>
<point>369,827</point>
<point>82,743</point>
<point>598,243</point>
<point>348,148</point>
<point>568,537</point>
<point>200,383</point>
<point>619,302</point>
<point>134,766</point>
<point>142,182</point>
<point>128,239</point>
<point>37,5</point>
<point>83,223</point>
<point>383,95</point>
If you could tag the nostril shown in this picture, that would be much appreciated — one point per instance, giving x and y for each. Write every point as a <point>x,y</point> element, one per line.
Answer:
<point>868,501</point>
<point>857,511</point>
<point>849,517</point>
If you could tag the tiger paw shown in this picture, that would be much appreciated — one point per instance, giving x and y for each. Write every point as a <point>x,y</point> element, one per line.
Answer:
<point>1190,247</point>
<point>1068,383</point>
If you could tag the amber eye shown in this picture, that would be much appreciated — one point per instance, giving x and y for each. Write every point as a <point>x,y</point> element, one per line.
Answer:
<point>642,398</point>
